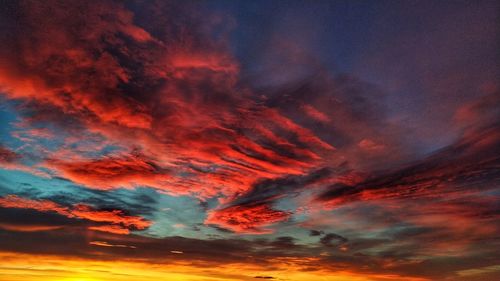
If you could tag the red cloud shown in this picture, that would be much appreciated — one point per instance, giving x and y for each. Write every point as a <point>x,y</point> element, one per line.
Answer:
<point>172,93</point>
<point>195,118</point>
<point>111,172</point>
<point>247,219</point>
<point>10,160</point>
<point>120,223</point>
<point>213,62</point>
<point>69,76</point>
<point>315,114</point>
<point>113,216</point>
<point>7,155</point>
<point>12,201</point>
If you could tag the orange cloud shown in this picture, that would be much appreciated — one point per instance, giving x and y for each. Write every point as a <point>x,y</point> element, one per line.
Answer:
<point>106,244</point>
<point>115,229</point>
<point>28,228</point>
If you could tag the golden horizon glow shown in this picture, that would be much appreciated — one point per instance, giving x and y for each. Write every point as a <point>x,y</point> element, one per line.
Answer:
<point>28,267</point>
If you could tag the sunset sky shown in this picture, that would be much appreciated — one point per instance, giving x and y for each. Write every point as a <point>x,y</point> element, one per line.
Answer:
<point>250,140</point>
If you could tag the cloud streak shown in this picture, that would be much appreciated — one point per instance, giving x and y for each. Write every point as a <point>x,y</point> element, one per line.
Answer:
<point>120,223</point>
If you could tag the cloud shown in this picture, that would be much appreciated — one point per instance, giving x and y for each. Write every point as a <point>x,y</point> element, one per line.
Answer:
<point>54,72</point>
<point>115,229</point>
<point>12,201</point>
<point>481,111</point>
<point>114,216</point>
<point>11,160</point>
<point>145,85</point>
<point>159,102</point>
<point>112,172</point>
<point>251,211</point>
<point>7,155</point>
<point>28,228</point>
<point>313,232</point>
<point>249,219</point>
<point>461,167</point>
<point>261,254</point>
<point>106,244</point>
<point>120,222</point>
<point>101,71</point>
<point>332,239</point>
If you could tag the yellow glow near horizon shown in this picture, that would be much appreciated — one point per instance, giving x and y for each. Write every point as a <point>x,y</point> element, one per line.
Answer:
<point>79,279</point>
<point>17,267</point>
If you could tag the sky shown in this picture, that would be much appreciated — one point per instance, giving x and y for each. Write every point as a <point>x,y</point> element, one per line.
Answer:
<point>249,140</point>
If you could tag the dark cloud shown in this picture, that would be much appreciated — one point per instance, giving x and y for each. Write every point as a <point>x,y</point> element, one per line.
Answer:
<point>332,239</point>
<point>284,242</point>
<point>465,165</point>
<point>313,232</point>
<point>112,220</point>
<point>72,238</point>
<point>32,217</point>
<point>272,189</point>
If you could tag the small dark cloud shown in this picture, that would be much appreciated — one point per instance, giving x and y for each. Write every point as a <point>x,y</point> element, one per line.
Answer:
<point>313,232</point>
<point>332,239</point>
<point>268,190</point>
<point>220,229</point>
<point>284,242</point>
<point>23,217</point>
<point>204,205</point>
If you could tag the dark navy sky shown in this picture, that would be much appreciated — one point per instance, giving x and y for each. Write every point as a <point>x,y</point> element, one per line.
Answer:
<point>428,57</point>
